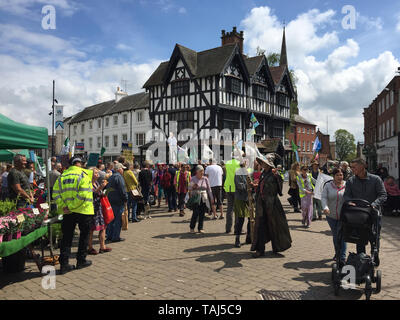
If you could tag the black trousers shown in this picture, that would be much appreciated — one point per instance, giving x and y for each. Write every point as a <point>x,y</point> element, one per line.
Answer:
<point>198,212</point>
<point>393,202</point>
<point>181,197</point>
<point>68,227</point>
<point>296,201</point>
<point>239,226</point>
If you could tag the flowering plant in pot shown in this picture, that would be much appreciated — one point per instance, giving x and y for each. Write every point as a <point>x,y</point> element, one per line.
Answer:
<point>29,224</point>
<point>9,227</point>
<point>3,229</point>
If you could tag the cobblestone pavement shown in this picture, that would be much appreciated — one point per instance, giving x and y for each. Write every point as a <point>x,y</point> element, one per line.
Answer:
<point>161,260</point>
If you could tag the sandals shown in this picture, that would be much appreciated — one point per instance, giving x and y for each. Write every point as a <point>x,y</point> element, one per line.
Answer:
<point>105,250</point>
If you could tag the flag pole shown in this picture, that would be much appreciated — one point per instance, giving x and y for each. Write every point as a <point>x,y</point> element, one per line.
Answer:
<point>52,126</point>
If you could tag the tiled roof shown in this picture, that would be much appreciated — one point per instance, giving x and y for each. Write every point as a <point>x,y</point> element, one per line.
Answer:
<point>157,76</point>
<point>132,102</point>
<point>253,63</point>
<point>92,112</point>
<point>201,64</point>
<point>212,62</point>
<point>300,119</point>
<point>277,73</point>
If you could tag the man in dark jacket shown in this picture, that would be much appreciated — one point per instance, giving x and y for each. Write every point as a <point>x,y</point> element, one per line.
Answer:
<point>146,181</point>
<point>117,196</point>
<point>365,186</point>
<point>172,205</point>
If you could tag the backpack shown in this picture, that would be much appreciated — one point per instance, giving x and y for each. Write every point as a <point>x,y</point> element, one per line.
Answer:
<point>166,180</point>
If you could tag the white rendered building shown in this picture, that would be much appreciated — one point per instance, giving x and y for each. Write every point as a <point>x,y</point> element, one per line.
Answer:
<point>109,124</point>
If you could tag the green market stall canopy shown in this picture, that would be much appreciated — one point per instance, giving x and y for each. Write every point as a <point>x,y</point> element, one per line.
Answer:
<point>14,135</point>
<point>6,155</point>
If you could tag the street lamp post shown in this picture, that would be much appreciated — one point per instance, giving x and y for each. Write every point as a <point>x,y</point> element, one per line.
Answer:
<point>52,126</point>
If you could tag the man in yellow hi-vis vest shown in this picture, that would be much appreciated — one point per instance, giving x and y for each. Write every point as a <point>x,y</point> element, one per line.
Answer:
<point>73,193</point>
<point>229,187</point>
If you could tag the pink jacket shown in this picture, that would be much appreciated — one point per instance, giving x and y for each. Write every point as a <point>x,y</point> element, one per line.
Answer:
<point>392,190</point>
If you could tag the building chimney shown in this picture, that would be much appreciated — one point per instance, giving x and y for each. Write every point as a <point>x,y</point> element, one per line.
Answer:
<point>119,94</point>
<point>232,37</point>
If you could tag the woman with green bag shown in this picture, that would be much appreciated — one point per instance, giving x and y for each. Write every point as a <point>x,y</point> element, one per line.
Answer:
<point>200,198</point>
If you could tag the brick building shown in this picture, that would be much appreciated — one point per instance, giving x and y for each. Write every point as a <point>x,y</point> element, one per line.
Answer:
<point>381,128</point>
<point>325,152</point>
<point>370,134</point>
<point>303,134</point>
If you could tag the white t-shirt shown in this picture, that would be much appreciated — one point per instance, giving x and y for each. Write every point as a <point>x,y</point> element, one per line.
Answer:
<point>214,173</point>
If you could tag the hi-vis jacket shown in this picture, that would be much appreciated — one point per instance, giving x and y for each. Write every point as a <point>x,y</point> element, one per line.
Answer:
<point>74,189</point>
<point>302,187</point>
<point>176,179</point>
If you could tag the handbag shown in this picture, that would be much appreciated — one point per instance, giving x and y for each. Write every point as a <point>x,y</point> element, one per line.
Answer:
<point>107,210</point>
<point>193,201</point>
<point>136,194</point>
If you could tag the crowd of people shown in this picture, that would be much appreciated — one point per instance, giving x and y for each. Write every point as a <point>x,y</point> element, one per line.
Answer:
<point>251,194</point>
<point>347,183</point>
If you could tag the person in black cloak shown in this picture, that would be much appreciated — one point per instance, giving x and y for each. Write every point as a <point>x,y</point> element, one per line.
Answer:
<point>270,222</point>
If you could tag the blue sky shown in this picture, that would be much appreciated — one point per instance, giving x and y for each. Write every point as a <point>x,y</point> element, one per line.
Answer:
<point>96,43</point>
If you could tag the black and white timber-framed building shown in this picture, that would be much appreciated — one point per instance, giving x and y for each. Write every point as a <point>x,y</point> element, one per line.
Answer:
<point>219,89</point>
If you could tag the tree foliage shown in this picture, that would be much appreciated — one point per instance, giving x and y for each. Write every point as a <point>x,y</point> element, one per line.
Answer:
<point>273,59</point>
<point>345,145</point>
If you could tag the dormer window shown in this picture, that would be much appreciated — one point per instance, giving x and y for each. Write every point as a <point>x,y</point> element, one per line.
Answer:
<point>180,88</point>
<point>233,85</point>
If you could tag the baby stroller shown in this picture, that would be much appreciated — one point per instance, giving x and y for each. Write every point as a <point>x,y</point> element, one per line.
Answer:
<point>360,225</point>
<point>152,197</point>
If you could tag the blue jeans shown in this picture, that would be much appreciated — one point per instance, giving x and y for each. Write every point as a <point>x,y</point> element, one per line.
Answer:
<point>114,228</point>
<point>317,208</point>
<point>132,207</point>
<point>335,226</point>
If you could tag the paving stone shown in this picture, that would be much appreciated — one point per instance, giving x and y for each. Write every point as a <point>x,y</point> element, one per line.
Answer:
<point>162,257</point>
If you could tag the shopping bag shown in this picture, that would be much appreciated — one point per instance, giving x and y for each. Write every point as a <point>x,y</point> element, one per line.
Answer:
<point>125,219</point>
<point>108,213</point>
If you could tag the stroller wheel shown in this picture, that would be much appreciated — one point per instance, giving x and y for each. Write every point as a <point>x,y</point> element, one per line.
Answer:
<point>378,281</point>
<point>368,288</point>
<point>334,271</point>
<point>335,279</point>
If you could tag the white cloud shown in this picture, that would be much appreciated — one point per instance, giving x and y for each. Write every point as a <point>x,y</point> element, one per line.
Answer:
<point>13,36</point>
<point>182,10</point>
<point>26,81</point>
<point>24,7</point>
<point>369,23</point>
<point>335,86</point>
<point>123,47</point>
<point>263,28</point>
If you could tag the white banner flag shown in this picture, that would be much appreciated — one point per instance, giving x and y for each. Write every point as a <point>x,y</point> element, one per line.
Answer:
<point>206,154</point>
<point>319,186</point>
<point>59,117</point>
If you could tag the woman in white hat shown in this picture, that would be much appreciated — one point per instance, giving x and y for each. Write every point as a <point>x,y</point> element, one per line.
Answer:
<point>271,224</point>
